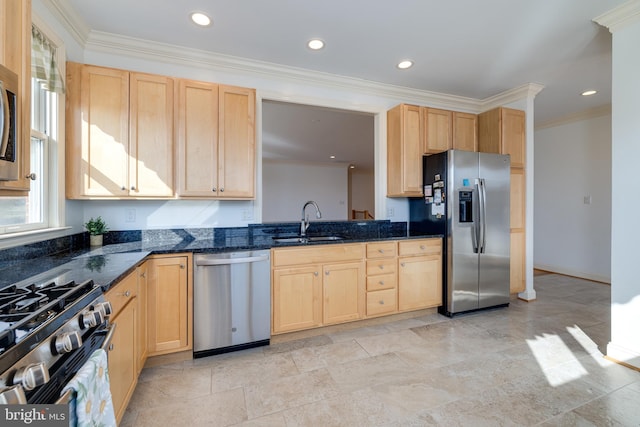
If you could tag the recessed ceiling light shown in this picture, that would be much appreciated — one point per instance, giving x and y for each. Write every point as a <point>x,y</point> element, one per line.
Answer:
<point>405,64</point>
<point>332,157</point>
<point>589,92</point>
<point>315,44</point>
<point>201,19</point>
<point>352,166</point>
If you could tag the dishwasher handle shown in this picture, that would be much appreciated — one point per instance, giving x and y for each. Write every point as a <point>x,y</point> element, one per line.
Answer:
<point>225,261</point>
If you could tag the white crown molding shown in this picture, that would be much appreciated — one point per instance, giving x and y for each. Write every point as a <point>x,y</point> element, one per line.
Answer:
<point>618,18</point>
<point>72,22</point>
<point>143,49</point>
<point>525,91</point>
<point>591,113</point>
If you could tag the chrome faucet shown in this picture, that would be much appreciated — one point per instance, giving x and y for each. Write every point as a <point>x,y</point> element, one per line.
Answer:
<point>304,223</point>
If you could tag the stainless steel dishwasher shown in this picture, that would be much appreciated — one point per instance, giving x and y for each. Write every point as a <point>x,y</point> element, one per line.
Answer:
<point>231,301</point>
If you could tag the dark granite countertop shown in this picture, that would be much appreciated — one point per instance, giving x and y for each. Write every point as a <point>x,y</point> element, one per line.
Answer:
<point>123,251</point>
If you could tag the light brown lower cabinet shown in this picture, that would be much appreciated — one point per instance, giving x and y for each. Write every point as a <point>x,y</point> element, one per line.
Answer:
<point>123,374</point>
<point>296,298</point>
<point>419,274</point>
<point>343,288</point>
<point>169,304</point>
<point>329,284</point>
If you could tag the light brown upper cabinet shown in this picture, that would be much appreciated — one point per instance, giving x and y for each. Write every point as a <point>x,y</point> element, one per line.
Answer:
<point>465,131</point>
<point>216,141</point>
<point>405,136</point>
<point>502,130</point>
<point>119,133</point>
<point>15,54</point>
<point>438,130</point>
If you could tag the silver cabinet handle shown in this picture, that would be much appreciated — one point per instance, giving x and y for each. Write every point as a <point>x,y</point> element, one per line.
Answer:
<point>381,282</point>
<point>402,264</point>
<point>214,189</point>
<point>381,267</point>
<point>326,273</point>
<point>143,275</point>
<point>222,190</point>
<point>315,273</point>
<point>133,187</point>
<point>422,247</point>
<point>125,294</point>
<point>381,302</point>
<point>381,251</point>
<point>123,188</point>
<point>32,176</point>
<point>182,266</point>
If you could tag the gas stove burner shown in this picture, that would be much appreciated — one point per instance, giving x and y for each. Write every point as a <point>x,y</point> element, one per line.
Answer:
<point>38,319</point>
<point>25,310</point>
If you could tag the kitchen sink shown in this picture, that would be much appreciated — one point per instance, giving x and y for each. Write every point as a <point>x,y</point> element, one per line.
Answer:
<point>307,239</point>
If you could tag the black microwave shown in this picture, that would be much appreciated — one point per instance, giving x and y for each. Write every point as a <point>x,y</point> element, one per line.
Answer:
<point>9,150</point>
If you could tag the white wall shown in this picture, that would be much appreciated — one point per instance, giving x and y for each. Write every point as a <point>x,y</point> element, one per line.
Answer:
<point>287,186</point>
<point>573,161</point>
<point>625,233</point>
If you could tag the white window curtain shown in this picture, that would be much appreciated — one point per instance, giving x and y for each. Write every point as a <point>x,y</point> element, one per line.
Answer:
<point>43,62</point>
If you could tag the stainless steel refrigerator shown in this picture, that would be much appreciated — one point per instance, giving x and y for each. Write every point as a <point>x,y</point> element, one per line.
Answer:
<point>466,199</point>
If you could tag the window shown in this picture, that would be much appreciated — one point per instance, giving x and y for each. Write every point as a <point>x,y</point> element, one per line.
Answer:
<point>36,210</point>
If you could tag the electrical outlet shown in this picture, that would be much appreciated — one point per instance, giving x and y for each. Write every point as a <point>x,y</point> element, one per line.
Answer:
<point>130,215</point>
<point>587,200</point>
<point>390,212</point>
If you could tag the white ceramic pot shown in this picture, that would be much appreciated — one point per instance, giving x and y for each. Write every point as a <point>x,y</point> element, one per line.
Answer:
<point>95,240</point>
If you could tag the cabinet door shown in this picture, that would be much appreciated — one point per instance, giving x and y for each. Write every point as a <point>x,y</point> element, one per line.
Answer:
<point>197,129</point>
<point>438,130</point>
<point>151,136</point>
<point>237,136</point>
<point>296,298</point>
<point>168,310</point>
<point>405,134</point>
<point>15,54</point>
<point>141,332</point>
<point>517,199</point>
<point>419,282</point>
<point>518,250</point>
<point>344,292</point>
<point>513,135</point>
<point>465,131</point>
<point>104,148</point>
<point>122,366</point>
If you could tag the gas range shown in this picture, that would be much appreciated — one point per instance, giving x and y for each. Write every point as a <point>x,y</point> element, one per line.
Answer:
<point>47,332</point>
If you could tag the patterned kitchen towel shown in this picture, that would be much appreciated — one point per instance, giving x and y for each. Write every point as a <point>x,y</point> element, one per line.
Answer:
<point>92,405</point>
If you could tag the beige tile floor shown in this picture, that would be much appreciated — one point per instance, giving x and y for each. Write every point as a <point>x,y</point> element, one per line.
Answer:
<point>537,363</point>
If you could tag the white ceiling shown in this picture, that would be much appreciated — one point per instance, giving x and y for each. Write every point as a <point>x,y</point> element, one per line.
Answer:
<point>469,48</point>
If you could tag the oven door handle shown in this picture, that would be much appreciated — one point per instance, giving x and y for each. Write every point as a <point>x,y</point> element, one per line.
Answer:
<point>109,337</point>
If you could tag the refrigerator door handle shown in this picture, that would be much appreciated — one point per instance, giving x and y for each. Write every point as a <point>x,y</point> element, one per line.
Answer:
<point>482,196</point>
<point>475,236</point>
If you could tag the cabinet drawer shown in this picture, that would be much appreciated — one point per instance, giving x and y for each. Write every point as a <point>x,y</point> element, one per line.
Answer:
<point>381,281</point>
<point>382,249</point>
<point>420,247</point>
<point>381,302</point>
<point>317,254</point>
<point>122,293</point>
<point>381,266</point>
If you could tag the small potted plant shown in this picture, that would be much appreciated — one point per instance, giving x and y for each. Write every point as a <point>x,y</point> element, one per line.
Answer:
<point>96,228</point>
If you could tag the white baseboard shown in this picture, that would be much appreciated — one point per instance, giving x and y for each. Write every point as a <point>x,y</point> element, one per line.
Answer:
<point>567,272</point>
<point>623,355</point>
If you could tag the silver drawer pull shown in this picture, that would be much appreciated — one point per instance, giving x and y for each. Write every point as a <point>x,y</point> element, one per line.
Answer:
<point>402,264</point>
<point>315,273</point>
<point>381,302</point>
<point>382,267</point>
<point>381,251</point>
<point>381,282</point>
<point>422,247</point>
